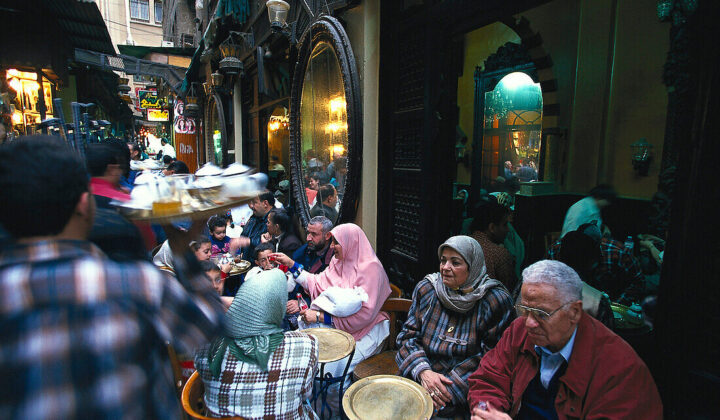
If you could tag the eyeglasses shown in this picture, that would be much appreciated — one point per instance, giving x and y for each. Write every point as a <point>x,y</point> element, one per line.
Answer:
<point>539,314</point>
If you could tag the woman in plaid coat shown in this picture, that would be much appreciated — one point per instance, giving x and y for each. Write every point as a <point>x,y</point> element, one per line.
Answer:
<point>457,315</point>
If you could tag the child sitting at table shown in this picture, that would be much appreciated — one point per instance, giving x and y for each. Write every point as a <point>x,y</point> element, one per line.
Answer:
<point>220,242</point>
<point>213,272</point>
<point>263,263</point>
<point>202,248</point>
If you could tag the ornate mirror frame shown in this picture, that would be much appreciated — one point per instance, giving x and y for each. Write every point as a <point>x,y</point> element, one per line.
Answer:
<point>326,28</point>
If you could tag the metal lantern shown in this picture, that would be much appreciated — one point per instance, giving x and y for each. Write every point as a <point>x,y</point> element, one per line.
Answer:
<point>641,156</point>
<point>277,13</point>
<point>216,79</point>
<point>191,109</point>
<point>231,50</point>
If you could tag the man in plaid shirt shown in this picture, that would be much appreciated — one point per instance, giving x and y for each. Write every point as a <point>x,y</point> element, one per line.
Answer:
<point>82,336</point>
<point>603,263</point>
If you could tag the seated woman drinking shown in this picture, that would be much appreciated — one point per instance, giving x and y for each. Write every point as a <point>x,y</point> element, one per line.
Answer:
<point>255,370</point>
<point>456,316</point>
<point>348,295</point>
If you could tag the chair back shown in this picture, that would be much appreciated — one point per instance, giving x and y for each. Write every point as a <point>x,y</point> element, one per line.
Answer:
<point>193,401</point>
<point>396,292</point>
<point>398,309</point>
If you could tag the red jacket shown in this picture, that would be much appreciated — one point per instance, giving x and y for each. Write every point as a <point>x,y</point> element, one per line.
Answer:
<point>604,379</point>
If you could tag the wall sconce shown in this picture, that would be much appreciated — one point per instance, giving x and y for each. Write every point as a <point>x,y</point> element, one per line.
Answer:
<point>641,156</point>
<point>216,79</point>
<point>277,13</point>
<point>460,146</point>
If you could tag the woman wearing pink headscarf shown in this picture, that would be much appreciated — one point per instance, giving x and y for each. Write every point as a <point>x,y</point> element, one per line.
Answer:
<point>357,285</point>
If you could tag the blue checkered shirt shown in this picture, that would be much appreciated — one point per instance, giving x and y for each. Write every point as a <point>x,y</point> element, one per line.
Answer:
<point>82,336</point>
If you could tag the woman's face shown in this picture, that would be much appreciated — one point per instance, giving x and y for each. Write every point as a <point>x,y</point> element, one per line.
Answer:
<point>453,268</point>
<point>314,184</point>
<point>203,253</point>
<point>337,249</point>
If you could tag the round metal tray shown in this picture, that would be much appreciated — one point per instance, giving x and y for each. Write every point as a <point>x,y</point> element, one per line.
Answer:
<point>387,397</point>
<point>133,213</point>
<point>239,268</point>
<point>334,344</point>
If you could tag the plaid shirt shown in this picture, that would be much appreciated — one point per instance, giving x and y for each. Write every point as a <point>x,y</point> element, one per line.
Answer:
<point>618,272</point>
<point>281,392</point>
<point>82,336</point>
<point>448,342</point>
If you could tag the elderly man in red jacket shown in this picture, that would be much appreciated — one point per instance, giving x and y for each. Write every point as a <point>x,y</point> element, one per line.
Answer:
<point>556,362</point>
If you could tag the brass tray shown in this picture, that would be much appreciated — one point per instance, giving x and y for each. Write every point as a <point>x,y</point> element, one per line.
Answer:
<point>239,268</point>
<point>334,344</point>
<point>387,397</point>
<point>187,212</point>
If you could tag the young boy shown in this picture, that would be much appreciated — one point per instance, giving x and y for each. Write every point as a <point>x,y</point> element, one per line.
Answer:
<point>220,242</point>
<point>214,273</point>
<point>262,261</point>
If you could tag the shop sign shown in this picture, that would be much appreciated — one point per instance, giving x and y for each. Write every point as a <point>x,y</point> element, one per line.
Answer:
<point>182,125</point>
<point>148,99</point>
<point>158,115</point>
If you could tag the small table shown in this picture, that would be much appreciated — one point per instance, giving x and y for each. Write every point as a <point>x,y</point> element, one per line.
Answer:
<point>387,397</point>
<point>334,345</point>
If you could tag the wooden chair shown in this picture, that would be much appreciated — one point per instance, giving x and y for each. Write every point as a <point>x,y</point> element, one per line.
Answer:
<point>192,399</point>
<point>396,292</point>
<point>384,363</point>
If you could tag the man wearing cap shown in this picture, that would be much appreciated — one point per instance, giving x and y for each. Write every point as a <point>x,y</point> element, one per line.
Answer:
<point>557,362</point>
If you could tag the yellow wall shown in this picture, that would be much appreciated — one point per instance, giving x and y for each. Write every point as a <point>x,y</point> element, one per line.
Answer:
<point>607,58</point>
<point>479,45</point>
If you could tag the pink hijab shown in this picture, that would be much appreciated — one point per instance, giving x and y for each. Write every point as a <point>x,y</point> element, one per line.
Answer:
<point>359,267</point>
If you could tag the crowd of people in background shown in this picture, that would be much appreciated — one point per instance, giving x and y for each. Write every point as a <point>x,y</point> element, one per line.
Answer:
<point>489,335</point>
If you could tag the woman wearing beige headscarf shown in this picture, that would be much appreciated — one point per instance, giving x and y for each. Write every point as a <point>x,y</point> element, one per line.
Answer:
<point>456,316</point>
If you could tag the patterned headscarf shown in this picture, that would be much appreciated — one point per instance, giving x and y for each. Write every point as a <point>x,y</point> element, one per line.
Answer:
<point>253,322</point>
<point>478,282</point>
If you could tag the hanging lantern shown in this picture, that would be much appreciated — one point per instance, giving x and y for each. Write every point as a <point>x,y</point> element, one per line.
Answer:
<point>191,109</point>
<point>231,49</point>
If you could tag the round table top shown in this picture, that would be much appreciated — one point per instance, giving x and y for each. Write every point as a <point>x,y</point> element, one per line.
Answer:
<point>334,344</point>
<point>387,397</point>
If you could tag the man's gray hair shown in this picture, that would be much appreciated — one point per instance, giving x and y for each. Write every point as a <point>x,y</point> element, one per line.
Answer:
<point>326,224</point>
<point>565,280</point>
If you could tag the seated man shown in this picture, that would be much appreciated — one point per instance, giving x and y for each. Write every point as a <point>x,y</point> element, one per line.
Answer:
<point>489,228</point>
<point>326,200</point>
<point>603,263</point>
<point>279,232</point>
<point>556,362</point>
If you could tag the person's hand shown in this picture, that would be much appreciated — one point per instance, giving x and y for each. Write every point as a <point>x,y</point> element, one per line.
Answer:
<point>488,414</point>
<point>292,307</point>
<point>226,268</point>
<point>179,239</point>
<point>435,385</point>
<point>237,243</point>
<point>311,316</point>
<point>266,237</point>
<point>282,259</point>
<point>227,300</point>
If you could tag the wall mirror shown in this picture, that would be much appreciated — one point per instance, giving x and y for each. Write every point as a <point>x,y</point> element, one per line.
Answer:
<point>325,124</point>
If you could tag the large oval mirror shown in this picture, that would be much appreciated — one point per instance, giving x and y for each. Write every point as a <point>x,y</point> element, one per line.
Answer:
<point>325,125</point>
